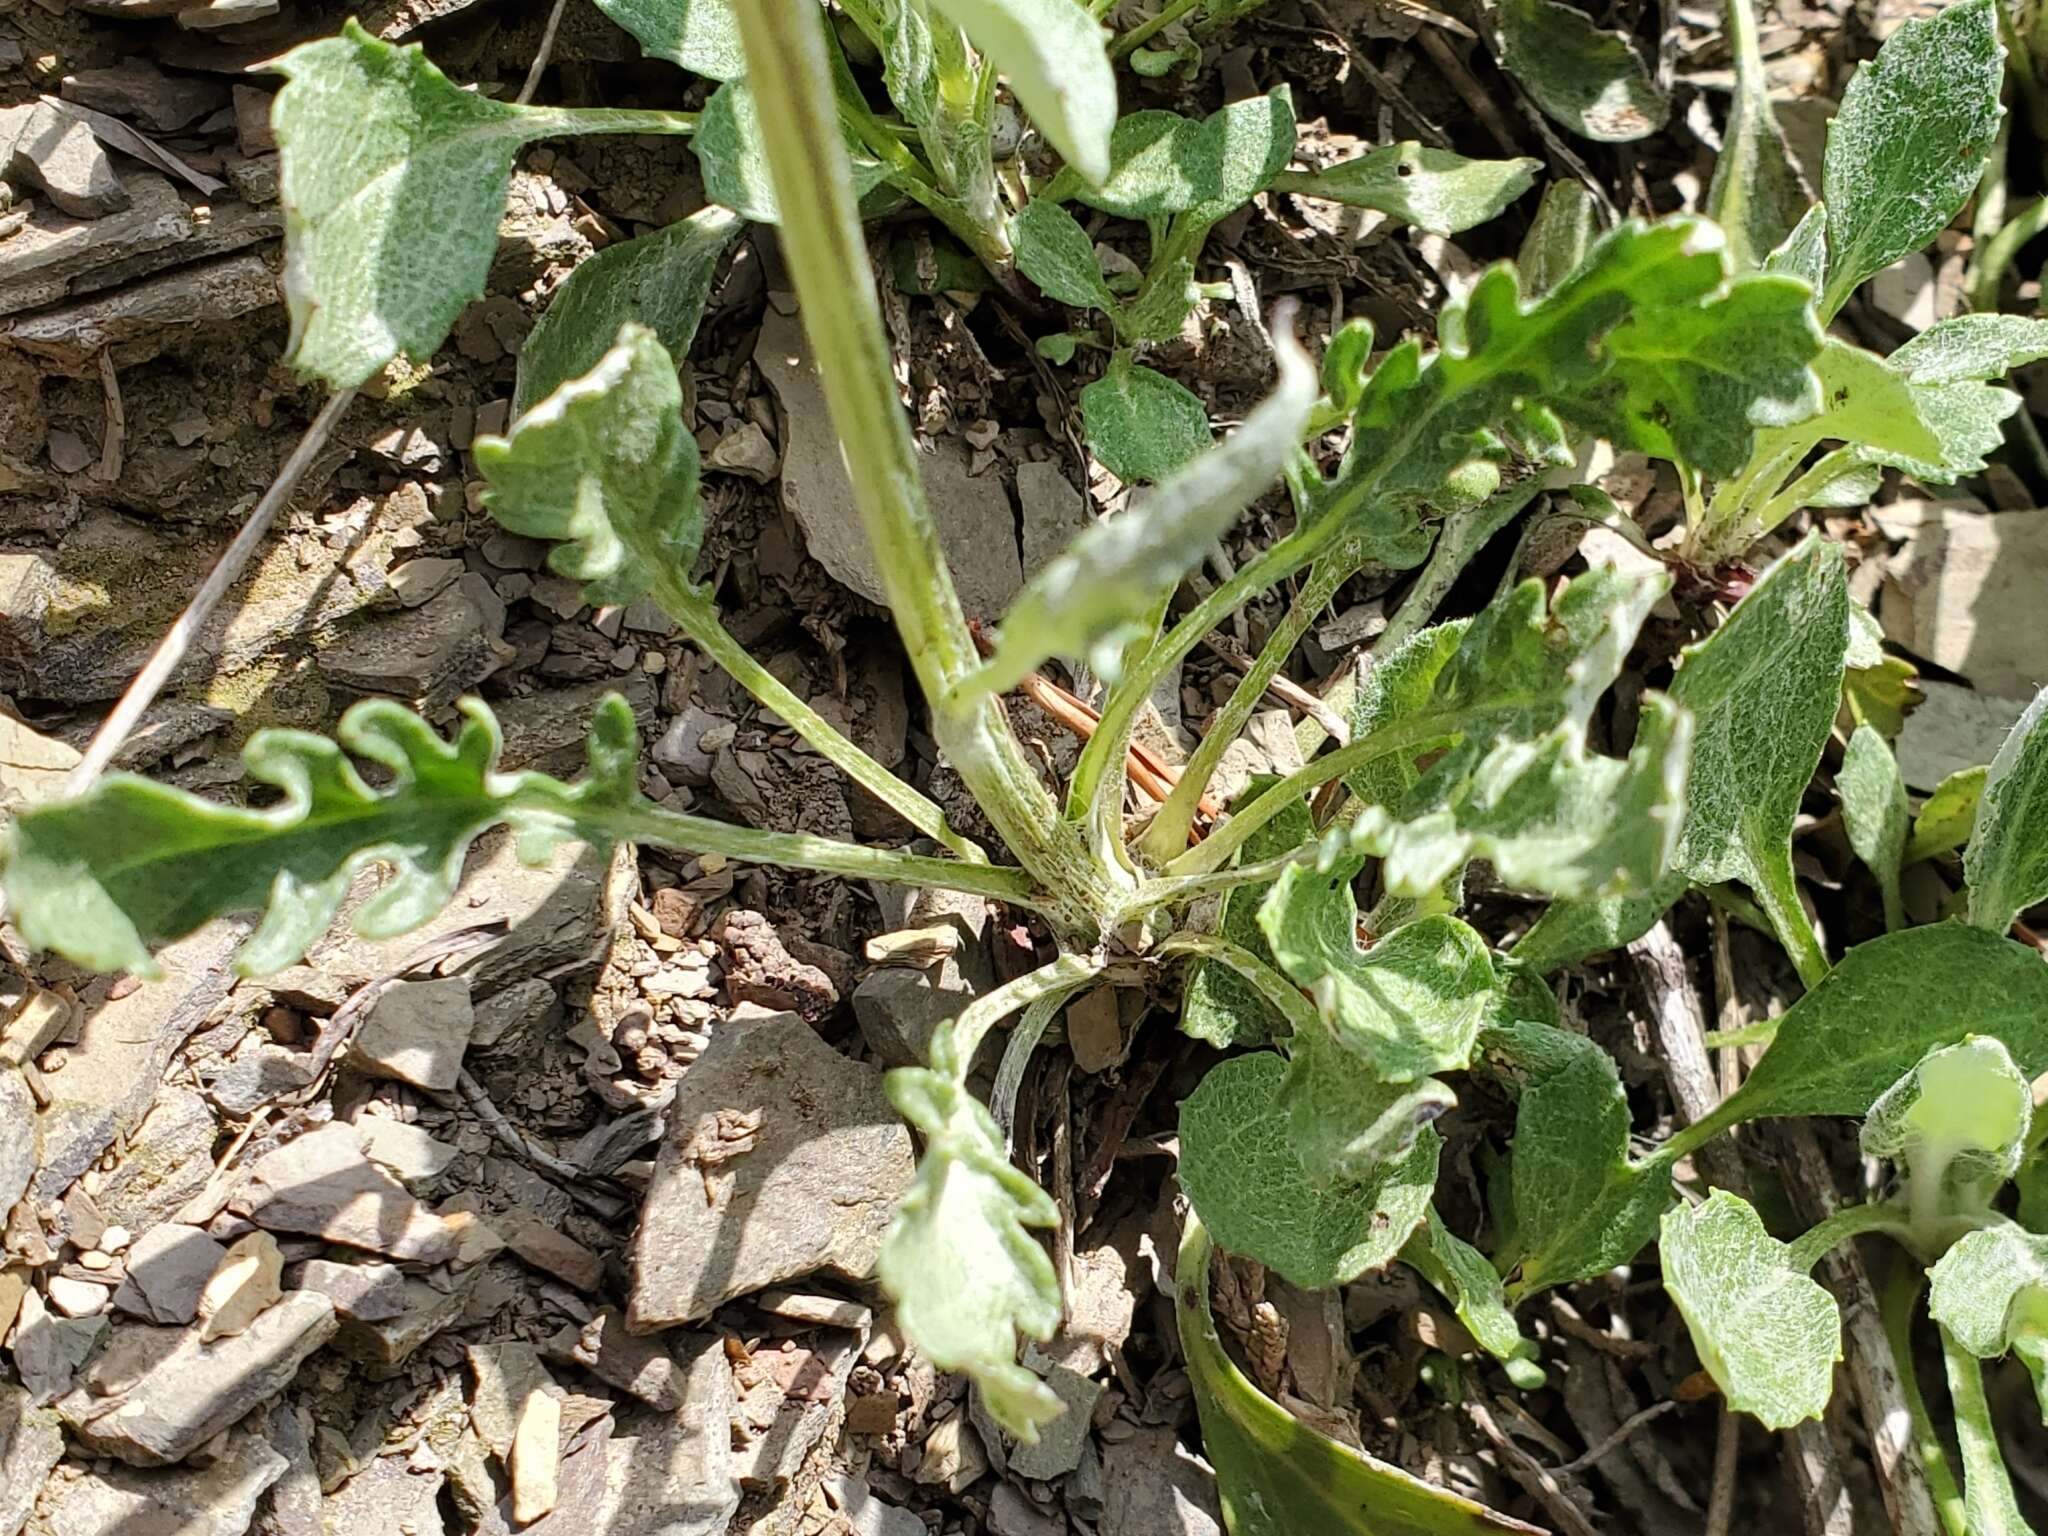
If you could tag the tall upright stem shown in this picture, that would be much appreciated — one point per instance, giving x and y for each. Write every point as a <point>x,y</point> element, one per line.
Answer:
<point>791,77</point>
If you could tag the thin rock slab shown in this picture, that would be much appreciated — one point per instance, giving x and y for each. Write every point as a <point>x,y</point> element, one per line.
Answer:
<point>385,1497</point>
<point>782,1158</point>
<point>416,1033</point>
<point>216,1500</point>
<point>366,1293</point>
<point>620,1359</point>
<point>31,1443</point>
<point>671,1474</point>
<point>1153,1486</point>
<point>322,1184</point>
<point>191,1391</point>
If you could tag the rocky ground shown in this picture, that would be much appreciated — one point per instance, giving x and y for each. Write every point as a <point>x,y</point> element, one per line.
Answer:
<point>558,1214</point>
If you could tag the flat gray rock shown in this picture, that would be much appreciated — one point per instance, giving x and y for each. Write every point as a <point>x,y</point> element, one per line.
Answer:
<point>782,1158</point>
<point>31,1443</point>
<point>59,153</point>
<point>1053,513</point>
<point>218,1500</point>
<point>165,1161</point>
<point>671,1474</point>
<point>1152,1486</point>
<point>366,1293</point>
<point>384,1497</point>
<point>167,1269</point>
<point>189,1392</point>
<point>416,1033</point>
<point>323,1185</point>
<point>17,1137</point>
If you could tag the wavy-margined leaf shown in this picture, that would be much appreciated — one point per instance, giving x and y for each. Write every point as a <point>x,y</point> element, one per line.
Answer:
<point>1278,1477</point>
<point>2006,862</point>
<point>965,1271</point>
<point>1907,148</point>
<point>1648,341</point>
<point>1886,1005</point>
<point>660,281</point>
<point>1874,814</point>
<point>1433,189</point>
<point>1116,569</point>
<point>1473,1286</point>
<point>1162,163</point>
<point>1763,690</point>
<point>1767,1334</point>
<point>1957,1122</point>
<point>1145,426</point>
<point>131,864</point>
<point>393,181</point>
<point>1055,56</point>
<point>1580,1205</point>
<point>1593,81</point>
<point>1217,1004</point>
<point>605,468</point>
<point>1990,1291</point>
<point>701,35</point>
<point>1409,1006</point>
<point>1345,1121</point>
<point>1248,1183</point>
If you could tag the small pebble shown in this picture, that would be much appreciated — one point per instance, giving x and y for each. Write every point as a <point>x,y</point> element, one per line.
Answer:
<point>92,1258</point>
<point>114,1239</point>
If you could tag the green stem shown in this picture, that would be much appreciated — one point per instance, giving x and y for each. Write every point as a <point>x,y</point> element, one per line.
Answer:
<point>1897,1302</point>
<point>1778,890</point>
<point>2000,252</point>
<point>1829,468</point>
<point>1146,30</point>
<point>692,610</point>
<point>1989,1505</point>
<point>799,850</point>
<point>1811,1246</point>
<point>1023,1043</point>
<point>954,1048</point>
<point>821,241</point>
<point>1168,834</point>
<point>1286,998</point>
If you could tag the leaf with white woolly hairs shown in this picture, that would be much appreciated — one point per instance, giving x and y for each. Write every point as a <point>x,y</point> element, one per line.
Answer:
<point>703,36</point>
<point>1767,1334</point>
<point>1472,1285</point>
<point>1990,1291</point>
<point>1591,80</point>
<point>1956,1124</point>
<point>1054,54</point>
<point>1874,814</point>
<point>2006,862</point>
<point>1433,189</point>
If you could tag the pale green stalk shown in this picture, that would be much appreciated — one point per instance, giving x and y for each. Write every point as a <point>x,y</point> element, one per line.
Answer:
<point>1059,978</point>
<point>1989,1504</point>
<point>1286,998</point>
<point>1168,834</point>
<point>1812,1245</point>
<point>1146,30</point>
<point>567,122</point>
<point>822,243</point>
<point>1898,1299</point>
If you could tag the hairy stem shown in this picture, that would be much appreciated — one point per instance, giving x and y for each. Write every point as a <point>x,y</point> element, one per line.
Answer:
<point>954,1049</point>
<point>1286,998</point>
<point>821,240</point>
<point>1812,1245</point>
<point>693,612</point>
<point>1145,31</point>
<point>1990,1507</point>
<point>1897,1302</point>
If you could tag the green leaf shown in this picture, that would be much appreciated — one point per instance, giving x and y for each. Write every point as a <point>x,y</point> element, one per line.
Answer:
<point>1592,81</point>
<point>1580,1206</point>
<point>1054,53</point>
<point>1473,1286</point>
<point>1990,1507</point>
<point>1804,253</point>
<point>1160,163</point>
<point>1161,305</point>
<point>1345,1121</point>
<point>1240,1168</point>
<point>965,1272</point>
<point>393,181</point>
<point>1972,347</point>
<point>1907,148</point>
<point>1874,814</point>
<point>1755,195</point>
<point>131,864</point>
<point>1433,189</point>
<point>735,163</point>
<point>701,35</point>
<point>1596,351</point>
<point>1249,142</point>
<point>1866,400</point>
<point>1116,569</point>
<point>1217,1004</point>
<point>1885,1006</point>
<point>1767,1334</point>
<point>2006,864</point>
<point>1277,1476</point>
<point>1566,225</point>
<point>1571,931</point>
<point>1990,1290</point>
<point>1346,358</point>
<point>1763,690</point>
<point>1054,251</point>
<point>1945,821</point>
<point>1409,1006</point>
<point>660,281</point>
<point>605,468</point>
<point>1956,1123</point>
<point>1144,426</point>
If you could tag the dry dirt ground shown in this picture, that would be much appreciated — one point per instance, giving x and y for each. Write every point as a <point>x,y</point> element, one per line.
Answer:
<point>497,1143</point>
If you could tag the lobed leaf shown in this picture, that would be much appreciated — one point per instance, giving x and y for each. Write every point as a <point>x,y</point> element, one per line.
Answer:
<point>1591,80</point>
<point>1248,1183</point>
<point>1162,163</point>
<point>1767,1334</point>
<point>1277,1476</point>
<point>1763,690</point>
<point>1957,1122</point>
<point>1886,1005</point>
<point>1990,1291</point>
<point>964,1270</point>
<point>1433,189</point>
<point>605,468</point>
<point>104,877</point>
<point>2005,866</point>
<point>1910,142</point>
<point>1345,1121</point>
<point>660,281</point>
<point>1972,347</point>
<point>1054,53</point>
<point>1473,1286</point>
<point>1116,569</point>
<point>1874,814</point>
<point>703,36</point>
